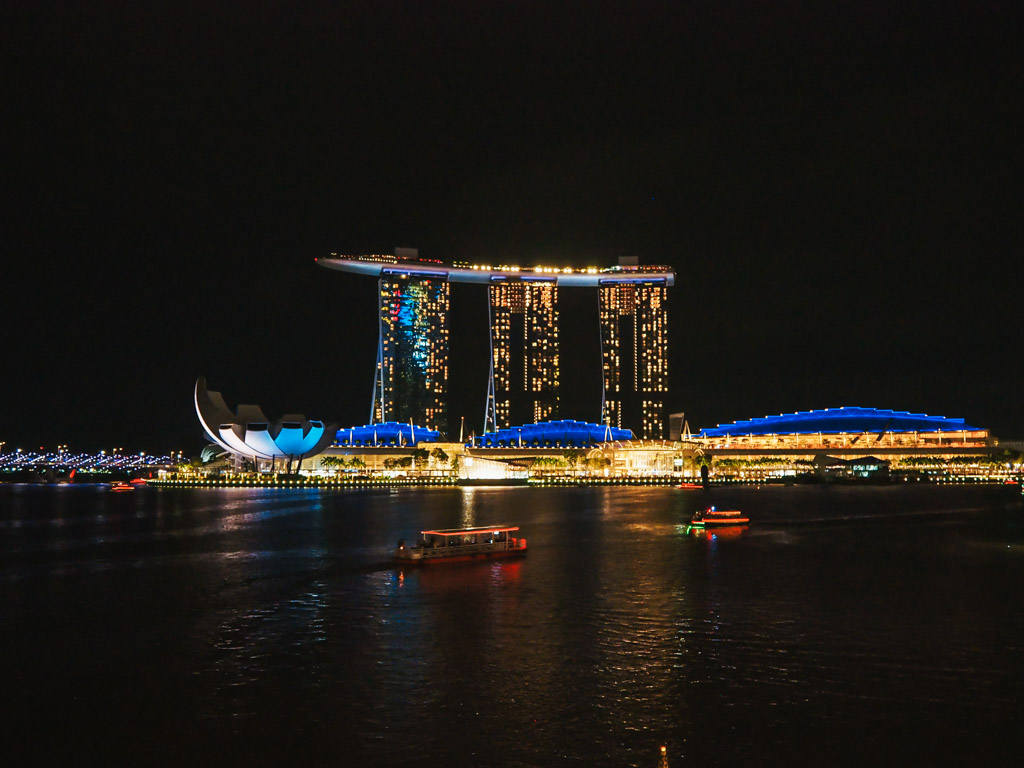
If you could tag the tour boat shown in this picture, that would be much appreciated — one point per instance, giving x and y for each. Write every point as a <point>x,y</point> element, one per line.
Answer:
<point>120,487</point>
<point>713,516</point>
<point>461,544</point>
<point>690,486</point>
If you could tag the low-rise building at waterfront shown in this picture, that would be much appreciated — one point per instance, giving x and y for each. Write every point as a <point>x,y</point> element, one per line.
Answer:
<point>834,442</point>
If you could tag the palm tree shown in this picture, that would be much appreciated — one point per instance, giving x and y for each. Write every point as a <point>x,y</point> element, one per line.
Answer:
<point>337,462</point>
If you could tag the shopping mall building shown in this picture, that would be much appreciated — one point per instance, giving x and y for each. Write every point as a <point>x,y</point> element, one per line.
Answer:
<point>845,431</point>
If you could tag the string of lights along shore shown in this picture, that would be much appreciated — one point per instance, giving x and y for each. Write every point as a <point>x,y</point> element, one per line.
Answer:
<point>411,373</point>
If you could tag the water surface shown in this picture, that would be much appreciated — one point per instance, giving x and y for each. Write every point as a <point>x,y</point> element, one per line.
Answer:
<point>845,626</point>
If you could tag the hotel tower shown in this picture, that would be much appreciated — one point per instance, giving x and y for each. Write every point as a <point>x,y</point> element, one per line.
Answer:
<point>523,381</point>
<point>411,378</point>
<point>634,353</point>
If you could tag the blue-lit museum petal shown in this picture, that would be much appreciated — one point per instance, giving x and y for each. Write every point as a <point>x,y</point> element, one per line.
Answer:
<point>258,438</point>
<point>292,442</point>
<point>236,443</point>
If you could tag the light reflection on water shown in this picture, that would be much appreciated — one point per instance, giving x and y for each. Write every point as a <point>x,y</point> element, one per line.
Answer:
<point>275,620</point>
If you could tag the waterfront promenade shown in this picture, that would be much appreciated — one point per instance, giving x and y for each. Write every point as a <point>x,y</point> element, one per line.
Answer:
<point>554,468</point>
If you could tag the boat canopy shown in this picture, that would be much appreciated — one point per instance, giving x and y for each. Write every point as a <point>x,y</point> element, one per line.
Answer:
<point>478,529</point>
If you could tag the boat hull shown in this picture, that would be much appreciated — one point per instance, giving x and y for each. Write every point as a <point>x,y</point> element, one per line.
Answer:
<point>411,558</point>
<point>719,518</point>
<point>722,523</point>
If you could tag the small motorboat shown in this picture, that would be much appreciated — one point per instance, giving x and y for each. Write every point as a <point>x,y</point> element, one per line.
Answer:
<point>712,516</point>
<point>121,487</point>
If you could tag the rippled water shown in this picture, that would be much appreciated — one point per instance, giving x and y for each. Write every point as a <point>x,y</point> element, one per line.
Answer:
<point>849,626</point>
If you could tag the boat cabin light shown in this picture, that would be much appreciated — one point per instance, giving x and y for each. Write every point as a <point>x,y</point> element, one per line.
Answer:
<point>464,531</point>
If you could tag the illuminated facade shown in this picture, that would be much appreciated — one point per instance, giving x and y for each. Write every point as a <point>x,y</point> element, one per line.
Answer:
<point>634,351</point>
<point>411,381</point>
<point>523,382</point>
<point>846,429</point>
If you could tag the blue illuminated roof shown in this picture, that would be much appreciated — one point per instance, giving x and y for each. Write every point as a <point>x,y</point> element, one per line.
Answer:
<point>388,433</point>
<point>552,434</point>
<point>835,420</point>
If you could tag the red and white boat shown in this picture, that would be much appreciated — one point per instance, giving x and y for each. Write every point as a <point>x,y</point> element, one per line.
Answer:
<point>462,544</point>
<point>713,516</point>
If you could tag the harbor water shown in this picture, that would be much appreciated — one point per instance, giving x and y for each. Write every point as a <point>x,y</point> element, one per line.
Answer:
<point>874,625</point>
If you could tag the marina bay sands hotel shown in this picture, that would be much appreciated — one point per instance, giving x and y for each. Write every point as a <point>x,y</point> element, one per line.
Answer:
<point>411,375</point>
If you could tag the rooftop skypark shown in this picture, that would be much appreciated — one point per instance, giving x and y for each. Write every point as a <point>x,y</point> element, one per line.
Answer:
<point>378,265</point>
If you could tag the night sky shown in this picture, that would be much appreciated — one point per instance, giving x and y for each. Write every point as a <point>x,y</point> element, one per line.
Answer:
<point>837,185</point>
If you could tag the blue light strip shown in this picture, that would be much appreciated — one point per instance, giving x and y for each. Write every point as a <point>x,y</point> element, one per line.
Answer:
<point>838,420</point>
<point>566,433</point>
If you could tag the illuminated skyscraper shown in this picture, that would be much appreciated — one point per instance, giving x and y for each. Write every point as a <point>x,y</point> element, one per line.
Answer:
<point>634,349</point>
<point>523,383</point>
<point>411,382</point>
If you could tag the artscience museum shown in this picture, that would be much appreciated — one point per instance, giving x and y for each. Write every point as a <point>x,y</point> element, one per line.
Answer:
<point>248,433</point>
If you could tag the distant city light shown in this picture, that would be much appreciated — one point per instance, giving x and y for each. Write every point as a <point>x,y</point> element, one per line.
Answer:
<point>62,457</point>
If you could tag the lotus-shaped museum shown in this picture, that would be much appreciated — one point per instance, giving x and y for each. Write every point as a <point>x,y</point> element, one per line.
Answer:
<point>249,433</point>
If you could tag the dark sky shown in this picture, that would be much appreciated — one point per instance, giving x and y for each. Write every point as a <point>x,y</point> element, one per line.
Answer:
<point>838,186</point>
